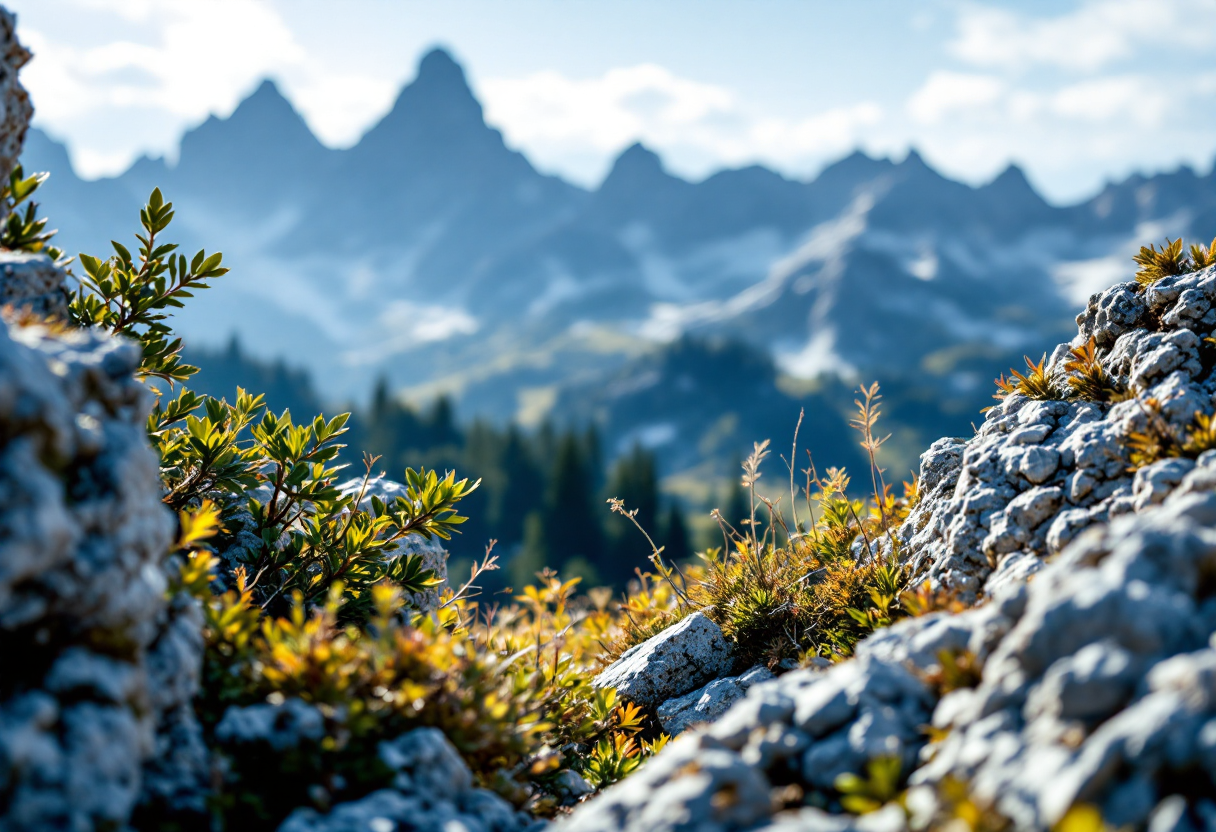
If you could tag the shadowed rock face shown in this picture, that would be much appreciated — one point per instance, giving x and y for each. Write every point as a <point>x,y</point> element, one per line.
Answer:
<point>1098,680</point>
<point>708,703</point>
<point>432,789</point>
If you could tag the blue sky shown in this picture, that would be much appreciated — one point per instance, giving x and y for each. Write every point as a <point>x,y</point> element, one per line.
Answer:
<point>1075,92</point>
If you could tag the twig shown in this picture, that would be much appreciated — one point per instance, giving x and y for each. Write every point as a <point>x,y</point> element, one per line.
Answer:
<point>488,564</point>
<point>790,465</point>
<point>656,558</point>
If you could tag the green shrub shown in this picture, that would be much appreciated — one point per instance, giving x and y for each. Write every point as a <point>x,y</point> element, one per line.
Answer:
<point>318,609</point>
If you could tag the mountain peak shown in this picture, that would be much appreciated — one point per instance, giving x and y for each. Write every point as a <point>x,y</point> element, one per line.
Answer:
<point>436,113</point>
<point>637,168</point>
<point>914,160</point>
<point>263,132</point>
<point>439,67</point>
<point>1011,180</point>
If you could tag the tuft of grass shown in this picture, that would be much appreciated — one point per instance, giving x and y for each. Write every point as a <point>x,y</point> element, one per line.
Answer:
<point>1169,261</point>
<point>1088,380</point>
<point>1172,260</point>
<point>1036,383</point>
<point>955,670</point>
<point>1203,256</point>
<point>782,593</point>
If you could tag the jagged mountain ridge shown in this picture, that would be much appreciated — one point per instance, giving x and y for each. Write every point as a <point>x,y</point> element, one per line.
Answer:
<point>434,253</point>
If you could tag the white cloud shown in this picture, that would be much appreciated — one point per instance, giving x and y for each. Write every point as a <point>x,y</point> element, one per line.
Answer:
<point>1093,36</point>
<point>202,54</point>
<point>182,61</point>
<point>945,93</point>
<point>580,123</point>
<point>1135,98</point>
<point>1125,101</point>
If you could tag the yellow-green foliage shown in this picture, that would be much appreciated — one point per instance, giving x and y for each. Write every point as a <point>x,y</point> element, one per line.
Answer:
<point>1035,383</point>
<point>1172,260</point>
<point>862,795</point>
<point>509,687</point>
<point>1161,440</point>
<point>955,670</point>
<point>1088,380</point>
<point>25,231</point>
<point>813,590</point>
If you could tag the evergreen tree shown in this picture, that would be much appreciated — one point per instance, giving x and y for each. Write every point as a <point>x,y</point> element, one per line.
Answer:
<point>441,423</point>
<point>593,457</point>
<point>523,489</point>
<point>481,458</point>
<point>533,552</point>
<point>572,524</point>
<point>676,544</point>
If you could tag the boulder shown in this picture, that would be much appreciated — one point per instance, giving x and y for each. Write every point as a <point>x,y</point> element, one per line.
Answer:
<point>432,789</point>
<point>32,282</point>
<point>680,659</point>
<point>709,702</point>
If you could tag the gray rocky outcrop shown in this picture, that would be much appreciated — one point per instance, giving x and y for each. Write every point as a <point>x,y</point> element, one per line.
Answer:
<point>1038,473</point>
<point>15,119</point>
<point>95,704</point>
<point>1098,686</point>
<point>32,282</point>
<point>83,534</point>
<point>432,789</point>
<point>708,703</point>
<point>680,659</point>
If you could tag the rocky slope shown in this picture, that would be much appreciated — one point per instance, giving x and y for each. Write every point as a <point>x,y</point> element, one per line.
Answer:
<point>1094,624</point>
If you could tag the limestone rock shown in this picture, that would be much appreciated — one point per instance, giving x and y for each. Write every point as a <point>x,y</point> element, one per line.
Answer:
<point>289,724</point>
<point>708,703</point>
<point>432,789</point>
<point>682,658</point>
<point>1038,473</point>
<point>82,536</point>
<point>18,111</point>
<point>34,283</point>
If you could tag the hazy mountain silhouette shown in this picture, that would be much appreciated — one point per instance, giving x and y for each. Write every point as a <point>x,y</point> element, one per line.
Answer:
<point>432,252</point>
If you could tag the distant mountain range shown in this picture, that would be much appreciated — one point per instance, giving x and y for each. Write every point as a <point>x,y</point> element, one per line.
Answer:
<point>432,253</point>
